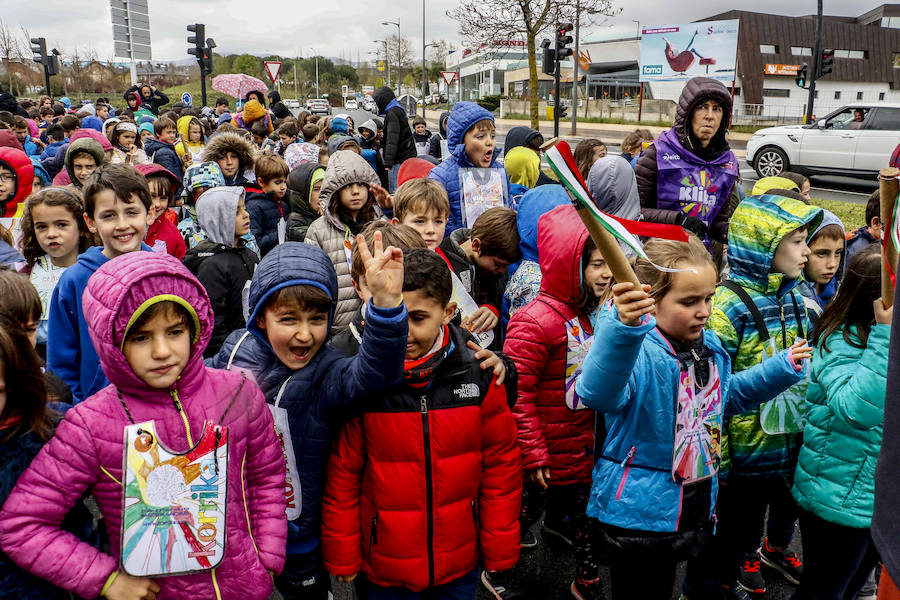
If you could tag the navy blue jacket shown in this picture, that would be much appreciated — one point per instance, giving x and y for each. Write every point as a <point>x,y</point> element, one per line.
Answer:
<point>330,390</point>
<point>265,212</point>
<point>15,456</point>
<point>163,154</point>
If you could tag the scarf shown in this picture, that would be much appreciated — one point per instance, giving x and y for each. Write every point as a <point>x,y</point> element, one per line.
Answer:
<point>419,372</point>
<point>692,352</point>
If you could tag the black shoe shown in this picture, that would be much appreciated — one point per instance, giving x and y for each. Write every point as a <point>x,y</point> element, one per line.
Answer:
<point>528,539</point>
<point>562,530</point>
<point>501,584</point>
<point>735,592</point>
<point>784,561</point>
<point>750,578</point>
<point>586,590</point>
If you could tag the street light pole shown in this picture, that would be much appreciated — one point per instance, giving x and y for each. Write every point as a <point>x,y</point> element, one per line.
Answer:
<point>397,23</point>
<point>424,76</point>
<point>317,71</point>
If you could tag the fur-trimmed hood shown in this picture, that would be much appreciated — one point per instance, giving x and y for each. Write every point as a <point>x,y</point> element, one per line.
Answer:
<point>222,143</point>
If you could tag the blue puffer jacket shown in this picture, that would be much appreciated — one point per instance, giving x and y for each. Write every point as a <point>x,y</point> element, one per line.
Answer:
<point>327,392</point>
<point>15,456</point>
<point>163,154</point>
<point>463,116</point>
<point>835,477</point>
<point>632,375</point>
<point>265,213</point>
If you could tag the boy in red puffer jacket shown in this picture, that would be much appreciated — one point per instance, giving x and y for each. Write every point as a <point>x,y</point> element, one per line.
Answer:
<point>548,340</point>
<point>429,477</point>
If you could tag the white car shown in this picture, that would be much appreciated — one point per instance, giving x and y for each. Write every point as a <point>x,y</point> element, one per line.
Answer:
<point>351,104</point>
<point>856,140</point>
<point>318,106</point>
<point>291,103</point>
<point>369,104</point>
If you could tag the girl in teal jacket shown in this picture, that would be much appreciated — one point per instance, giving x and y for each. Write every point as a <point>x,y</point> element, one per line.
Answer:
<point>665,385</point>
<point>835,478</point>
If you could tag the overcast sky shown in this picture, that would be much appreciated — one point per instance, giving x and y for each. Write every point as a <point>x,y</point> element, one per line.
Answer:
<point>331,27</point>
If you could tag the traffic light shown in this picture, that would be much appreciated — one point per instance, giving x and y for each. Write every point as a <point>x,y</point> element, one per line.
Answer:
<point>208,55</point>
<point>548,66</point>
<point>563,39</point>
<point>826,62</point>
<point>39,48</point>
<point>199,31</point>
<point>562,108</point>
<point>802,74</point>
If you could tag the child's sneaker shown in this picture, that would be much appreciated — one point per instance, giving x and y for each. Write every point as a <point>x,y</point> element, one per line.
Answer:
<point>501,584</point>
<point>785,562</point>
<point>750,578</point>
<point>735,592</point>
<point>529,540</point>
<point>562,530</point>
<point>586,590</point>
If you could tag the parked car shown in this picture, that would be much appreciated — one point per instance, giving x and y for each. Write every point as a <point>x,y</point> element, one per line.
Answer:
<point>855,140</point>
<point>318,106</point>
<point>351,104</point>
<point>291,103</point>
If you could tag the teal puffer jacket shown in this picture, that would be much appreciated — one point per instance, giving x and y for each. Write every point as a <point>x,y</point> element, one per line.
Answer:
<point>835,477</point>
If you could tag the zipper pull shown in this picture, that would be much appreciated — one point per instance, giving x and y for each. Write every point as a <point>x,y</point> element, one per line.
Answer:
<point>423,404</point>
<point>628,457</point>
<point>174,394</point>
<point>375,529</point>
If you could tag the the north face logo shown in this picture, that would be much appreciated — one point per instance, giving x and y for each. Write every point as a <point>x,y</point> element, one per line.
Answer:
<point>467,390</point>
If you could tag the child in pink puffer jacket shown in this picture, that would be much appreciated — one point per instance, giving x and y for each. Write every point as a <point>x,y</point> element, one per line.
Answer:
<point>195,448</point>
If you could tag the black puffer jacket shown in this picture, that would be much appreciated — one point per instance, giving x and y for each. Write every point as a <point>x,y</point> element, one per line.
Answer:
<point>398,139</point>
<point>695,91</point>
<point>156,99</point>
<point>8,102</point>
<point>302,214</point>
<point>434,144</point>
<point>224,272</point>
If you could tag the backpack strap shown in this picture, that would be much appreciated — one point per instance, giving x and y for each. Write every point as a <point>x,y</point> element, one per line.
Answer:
<point>800,333</point>
<point>235,349</point>
<point>751,306</point>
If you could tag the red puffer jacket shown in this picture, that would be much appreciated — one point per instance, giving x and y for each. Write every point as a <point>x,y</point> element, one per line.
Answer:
<point>550,433</point>
<point>425,479</point>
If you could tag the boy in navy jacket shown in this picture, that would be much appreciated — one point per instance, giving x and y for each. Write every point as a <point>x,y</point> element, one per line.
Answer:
<point>267,208</point>
<point>313,388</point>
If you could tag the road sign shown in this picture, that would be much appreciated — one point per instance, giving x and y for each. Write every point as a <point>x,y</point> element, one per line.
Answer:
<point>131,29</point>
<point>186,98</point>
<point>345,90</point>
<point>790,70</point>
<point>273,67</point>
<point>368,89</point>
<point>380,66</point>
<point>449,76</point>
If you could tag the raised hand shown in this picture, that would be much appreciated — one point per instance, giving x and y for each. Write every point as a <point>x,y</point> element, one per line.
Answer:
<point>384,271</point>
<point>632,304</point>
<point>381,195</point>
<point>883,315</point>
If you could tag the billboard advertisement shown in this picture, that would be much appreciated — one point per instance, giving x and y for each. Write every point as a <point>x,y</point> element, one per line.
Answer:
<point>679,52</point>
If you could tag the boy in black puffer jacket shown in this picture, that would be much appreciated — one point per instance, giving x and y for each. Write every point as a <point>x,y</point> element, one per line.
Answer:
<point>222,262</point>
<point>304,183</point>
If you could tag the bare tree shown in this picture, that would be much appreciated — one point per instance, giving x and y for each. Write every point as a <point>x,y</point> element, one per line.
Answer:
<point>485,22</point>
<point>404,55</point>
<point>9,51</point>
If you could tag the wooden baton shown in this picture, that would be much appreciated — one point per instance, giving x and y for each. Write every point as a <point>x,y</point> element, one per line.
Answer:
<point>889,187</point>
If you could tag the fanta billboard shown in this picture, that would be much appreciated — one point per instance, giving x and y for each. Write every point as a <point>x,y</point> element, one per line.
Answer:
<point>679,52</point>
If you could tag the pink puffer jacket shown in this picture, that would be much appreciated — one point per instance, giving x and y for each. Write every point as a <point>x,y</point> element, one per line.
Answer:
<point>86,454</point>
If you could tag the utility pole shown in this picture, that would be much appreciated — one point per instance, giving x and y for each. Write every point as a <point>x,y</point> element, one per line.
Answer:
<point>575,68</point>
<point>424,76</point>
<point>817,57</point>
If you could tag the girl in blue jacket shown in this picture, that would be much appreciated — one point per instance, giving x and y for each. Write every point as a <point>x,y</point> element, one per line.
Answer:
<point>665,386</point>
<point>835,478</point>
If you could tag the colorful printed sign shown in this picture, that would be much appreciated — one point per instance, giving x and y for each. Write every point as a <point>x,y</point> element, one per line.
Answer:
<point>680,52</point>
<point>578,343</point>
<point>698,427</point>
<point>173,518</point>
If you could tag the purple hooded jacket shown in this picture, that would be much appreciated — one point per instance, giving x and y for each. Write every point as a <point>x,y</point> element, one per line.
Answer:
<point>86,454</point>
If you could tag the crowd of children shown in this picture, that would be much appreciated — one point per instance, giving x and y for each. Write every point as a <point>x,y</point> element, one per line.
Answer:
<point>286,352</point>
